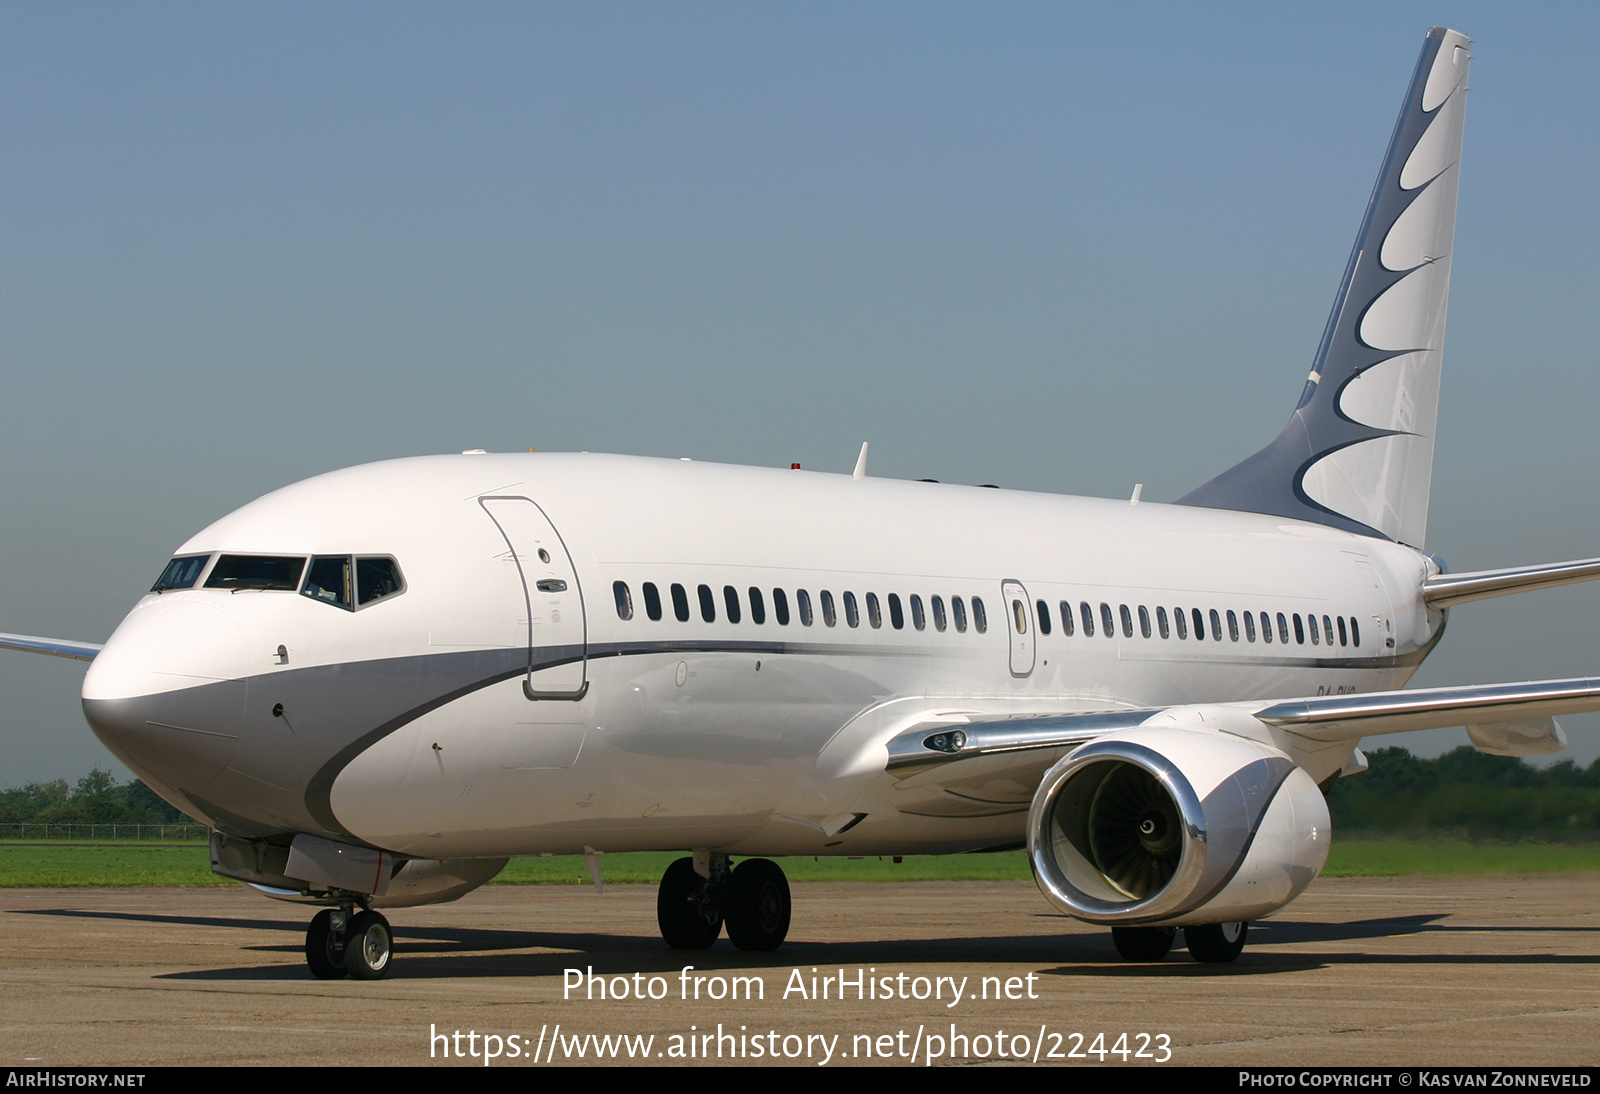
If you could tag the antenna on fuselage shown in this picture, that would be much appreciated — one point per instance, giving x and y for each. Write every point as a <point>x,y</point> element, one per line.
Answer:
<point>861,463</point>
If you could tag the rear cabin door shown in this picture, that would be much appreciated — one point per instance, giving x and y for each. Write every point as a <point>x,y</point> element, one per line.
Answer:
<point>551,612</point>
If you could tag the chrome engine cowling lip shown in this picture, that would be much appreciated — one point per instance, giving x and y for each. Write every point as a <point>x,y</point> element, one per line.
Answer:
<point>1173,897</point>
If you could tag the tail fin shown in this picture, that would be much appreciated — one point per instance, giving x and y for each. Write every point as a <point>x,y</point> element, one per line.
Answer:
<point>1358,452</point>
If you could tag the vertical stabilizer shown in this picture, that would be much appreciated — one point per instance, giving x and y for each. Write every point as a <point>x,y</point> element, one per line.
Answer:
<point>1358,452</point>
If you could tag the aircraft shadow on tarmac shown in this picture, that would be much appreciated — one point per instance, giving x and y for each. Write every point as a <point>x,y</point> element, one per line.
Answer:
<point>444,952</point>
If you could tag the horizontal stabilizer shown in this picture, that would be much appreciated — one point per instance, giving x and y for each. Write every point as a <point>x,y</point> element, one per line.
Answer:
<point>1445,590</point>
<point>55,647</point>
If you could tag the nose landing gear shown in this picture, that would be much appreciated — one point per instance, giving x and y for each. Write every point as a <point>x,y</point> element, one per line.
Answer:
<point>343,942</point>
<point>752,899</point>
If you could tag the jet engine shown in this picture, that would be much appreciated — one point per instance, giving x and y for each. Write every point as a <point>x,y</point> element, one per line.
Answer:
<point>1158,826</point>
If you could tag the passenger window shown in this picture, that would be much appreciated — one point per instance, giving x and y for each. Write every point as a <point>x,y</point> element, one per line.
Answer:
<point>181,573</point>
<point>758,606</point>
<point>829,616</point>
<point>980,618</point>
<point>1266,627</point>
<point>938,614</point>
<point>1355,632</point>
<point>897,617</point>
<point>730,597</point>
<point>624,599</point>
<point>874,612</point>
<point>1327,630</point>
<point>1249,627</point>
<point>780,607</point>
<point>1181,618</point>
<point>852,615</point>
<point>1107,627</point>
<point>1087,614</point>
<point>1127,622</point>
<point>1199,625</point>
<point>1161,622</point>
<point>802,600</point>
<point>1311,625</point>
<point>1019,616</point>
<point>1343,640</point>
<point>1066,618</point>
<point>920,621</point>
<point>708,604</point>
<point>652,600</point>
<point>237,572</point>
<point>1044,616</point>
<point>1283,629</point>
<point>1299,630</point>
<point>329,581</point>
<point>1144,620</point>
<point>680,603</point>
<point>958,609</point>
<point>1233,626</point>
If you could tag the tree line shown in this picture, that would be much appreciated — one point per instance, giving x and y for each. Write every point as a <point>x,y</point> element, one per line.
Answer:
<point>1464,791</point>
<point>97,798</point>
<point>1468,792</point>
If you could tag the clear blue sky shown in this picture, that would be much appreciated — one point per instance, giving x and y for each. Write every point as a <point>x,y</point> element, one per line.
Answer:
<point>1058,247</point>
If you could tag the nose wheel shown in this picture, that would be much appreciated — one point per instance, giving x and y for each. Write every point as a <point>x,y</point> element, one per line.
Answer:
<point>752,900</point>
<point>345,942</point>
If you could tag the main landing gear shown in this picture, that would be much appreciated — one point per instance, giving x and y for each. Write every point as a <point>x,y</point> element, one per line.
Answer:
<point>344,942</point>
<point>1213,943</point>
<point>697,899</point>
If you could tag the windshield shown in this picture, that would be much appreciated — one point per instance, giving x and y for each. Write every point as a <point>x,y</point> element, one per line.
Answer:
<point>181,573</point>
<point>256,572</point>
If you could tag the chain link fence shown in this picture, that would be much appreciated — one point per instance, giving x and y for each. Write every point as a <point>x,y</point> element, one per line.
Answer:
<point>176,833</point>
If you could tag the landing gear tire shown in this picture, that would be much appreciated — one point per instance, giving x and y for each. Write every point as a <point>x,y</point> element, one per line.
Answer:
<point>689,918</point>
<point>757,905</point>
<point>1143,943</point>
<point>325,958</point>
<point>1215,943</point>
<point>368,946</point>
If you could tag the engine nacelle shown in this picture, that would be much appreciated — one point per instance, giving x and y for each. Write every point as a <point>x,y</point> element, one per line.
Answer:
<point>1172,827</point>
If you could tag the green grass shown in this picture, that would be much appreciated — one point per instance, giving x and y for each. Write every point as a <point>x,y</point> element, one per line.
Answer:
<point>1362,856</point>
<point>648,867</point>
<point>54,864</point>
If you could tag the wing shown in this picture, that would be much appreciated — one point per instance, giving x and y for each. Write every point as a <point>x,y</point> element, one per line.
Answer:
<point>54,647</point>
<point>1507,719</point>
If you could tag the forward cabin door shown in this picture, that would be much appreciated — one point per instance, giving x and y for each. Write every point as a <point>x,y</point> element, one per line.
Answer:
<point>551,612</point>
<point>1020,625</point>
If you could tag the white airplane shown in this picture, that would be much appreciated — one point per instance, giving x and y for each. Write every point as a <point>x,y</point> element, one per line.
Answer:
<point>379,684</point>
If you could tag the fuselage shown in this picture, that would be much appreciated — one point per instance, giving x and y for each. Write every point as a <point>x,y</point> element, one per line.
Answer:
<point>585,652</point>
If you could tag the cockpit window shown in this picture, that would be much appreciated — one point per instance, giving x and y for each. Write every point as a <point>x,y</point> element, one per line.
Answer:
<point>377,578</point>
<point>256,572</point>
<point>350,583</point>
<point>181,573</point>
<point>329,581</point>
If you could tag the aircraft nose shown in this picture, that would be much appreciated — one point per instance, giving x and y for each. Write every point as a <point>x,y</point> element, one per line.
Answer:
<point>167,693</point>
